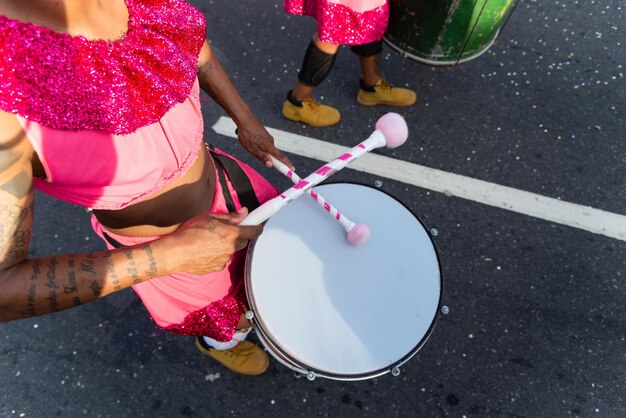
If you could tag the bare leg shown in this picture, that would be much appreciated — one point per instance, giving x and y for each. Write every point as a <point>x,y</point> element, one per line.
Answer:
<point>243,323</point>
<point>370,69</point>
<point>301,91</point>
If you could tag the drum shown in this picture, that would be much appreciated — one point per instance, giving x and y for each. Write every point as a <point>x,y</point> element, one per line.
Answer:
<point>323,307</point>
<point>445,32</point>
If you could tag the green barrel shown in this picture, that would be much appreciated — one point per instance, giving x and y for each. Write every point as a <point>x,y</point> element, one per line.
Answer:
<point>445,32</point>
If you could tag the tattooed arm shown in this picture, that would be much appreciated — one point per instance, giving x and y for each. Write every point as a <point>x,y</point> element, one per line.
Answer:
<point>16,192</point>
<point>251,133</point>
<point>31,287</point>
<point>36,286</point>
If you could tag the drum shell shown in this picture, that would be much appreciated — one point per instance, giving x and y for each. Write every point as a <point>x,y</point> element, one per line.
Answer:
<point>445,32</point>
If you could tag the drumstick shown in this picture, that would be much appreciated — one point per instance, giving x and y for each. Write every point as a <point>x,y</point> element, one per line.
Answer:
<point>391,130</point>
<point>357,233</point>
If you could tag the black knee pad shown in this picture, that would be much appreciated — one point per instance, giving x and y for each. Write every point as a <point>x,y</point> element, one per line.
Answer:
<point>368,50</point>
<point>316,66</point>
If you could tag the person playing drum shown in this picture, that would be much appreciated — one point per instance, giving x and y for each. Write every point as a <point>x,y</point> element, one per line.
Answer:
<point>100,107</point>
<point>359,23</point>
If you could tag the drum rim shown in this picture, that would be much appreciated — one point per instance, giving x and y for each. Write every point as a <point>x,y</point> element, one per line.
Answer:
<point>291,363</point>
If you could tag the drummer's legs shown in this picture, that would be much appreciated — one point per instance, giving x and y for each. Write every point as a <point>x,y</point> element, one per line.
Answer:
<point>373,86</point>
<point>299,106</point>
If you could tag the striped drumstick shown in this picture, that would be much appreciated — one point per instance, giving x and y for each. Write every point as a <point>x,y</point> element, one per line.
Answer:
<point>391,131</point>
<point>357,234</point>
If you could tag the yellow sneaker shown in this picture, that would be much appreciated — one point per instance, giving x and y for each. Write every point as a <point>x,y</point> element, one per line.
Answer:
<point>244,358</point>
<point>385,94</point>
<point>312,113</point>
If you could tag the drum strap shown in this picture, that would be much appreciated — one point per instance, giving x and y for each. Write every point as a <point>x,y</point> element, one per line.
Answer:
<point>115,243</point>
<point>225,166</point>
<point>230,203</point>
<point>238,178</point>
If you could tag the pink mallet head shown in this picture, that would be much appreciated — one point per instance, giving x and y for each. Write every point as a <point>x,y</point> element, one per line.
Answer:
<point>359,234</point>
<point>394,129</point>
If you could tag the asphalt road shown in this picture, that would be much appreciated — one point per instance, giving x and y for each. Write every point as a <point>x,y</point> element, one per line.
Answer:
<point>536,309</point>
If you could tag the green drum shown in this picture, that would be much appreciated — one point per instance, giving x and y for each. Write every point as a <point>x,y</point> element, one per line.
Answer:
<point>445,32</point>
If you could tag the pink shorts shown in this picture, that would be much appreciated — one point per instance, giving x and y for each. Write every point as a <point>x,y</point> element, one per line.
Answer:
<point>344,22</point>
<point>207,305</point>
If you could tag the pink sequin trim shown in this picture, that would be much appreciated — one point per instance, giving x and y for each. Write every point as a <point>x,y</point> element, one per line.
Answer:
<point>71,83</point>
<point>339,24</point>
<point>218,320</point>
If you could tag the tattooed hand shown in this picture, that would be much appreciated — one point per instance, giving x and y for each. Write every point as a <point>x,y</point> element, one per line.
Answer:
<point>206,243</point>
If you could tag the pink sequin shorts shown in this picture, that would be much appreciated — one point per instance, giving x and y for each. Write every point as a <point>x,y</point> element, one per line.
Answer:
<point>344,22</point>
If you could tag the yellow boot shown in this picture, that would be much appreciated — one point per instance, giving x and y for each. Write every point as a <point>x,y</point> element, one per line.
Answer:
<point>244,358</point>
<point>311,112</point>
<point>385,94</point>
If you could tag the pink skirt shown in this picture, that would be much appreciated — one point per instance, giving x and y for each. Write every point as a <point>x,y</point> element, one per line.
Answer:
<point>344,22</point>
<point>207,305</point>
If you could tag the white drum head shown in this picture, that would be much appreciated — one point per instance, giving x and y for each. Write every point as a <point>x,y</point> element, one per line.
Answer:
<point>339,310</point>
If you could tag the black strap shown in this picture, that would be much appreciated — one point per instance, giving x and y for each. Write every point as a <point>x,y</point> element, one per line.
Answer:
<point>238,178</point>
<point>230,204</point>
<point>112,241</point>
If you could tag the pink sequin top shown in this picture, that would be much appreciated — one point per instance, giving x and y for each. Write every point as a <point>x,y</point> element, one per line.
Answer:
<point>69,82</point>
<point>344,22</point>
<point>114,122</point>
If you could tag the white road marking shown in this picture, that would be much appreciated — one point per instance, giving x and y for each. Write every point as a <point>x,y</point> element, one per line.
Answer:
<point>578,216</point>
